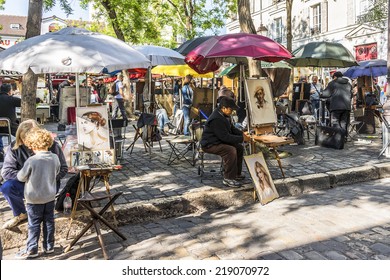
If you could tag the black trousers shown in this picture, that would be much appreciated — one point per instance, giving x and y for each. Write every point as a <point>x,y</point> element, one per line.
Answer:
<point>232,157</point>
<point>340,118</point>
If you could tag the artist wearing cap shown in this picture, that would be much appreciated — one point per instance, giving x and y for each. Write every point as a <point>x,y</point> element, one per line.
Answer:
<point>339,92</point>
<point>220,137</point>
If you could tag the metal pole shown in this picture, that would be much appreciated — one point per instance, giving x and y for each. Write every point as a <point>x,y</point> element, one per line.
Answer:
<point>386,106</point>
<point>77,90</point>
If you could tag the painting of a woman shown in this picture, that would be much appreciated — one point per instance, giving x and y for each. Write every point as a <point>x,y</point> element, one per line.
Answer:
<point>264,186</point>
<point>92,131</point>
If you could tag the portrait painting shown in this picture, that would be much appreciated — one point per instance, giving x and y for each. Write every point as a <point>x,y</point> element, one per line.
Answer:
<point>260,101</point>
<point>97,156</point>
<point>75,157</point>
<point>108,157</point>
<point>92,128</point>
<point>86,158</point>
<point>264,185</point>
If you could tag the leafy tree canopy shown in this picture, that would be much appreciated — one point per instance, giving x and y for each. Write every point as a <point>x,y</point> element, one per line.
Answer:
<point>377,14</point>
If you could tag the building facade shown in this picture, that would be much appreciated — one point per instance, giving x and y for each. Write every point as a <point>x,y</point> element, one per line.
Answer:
<point>319,20</point>
<point>14,27</point>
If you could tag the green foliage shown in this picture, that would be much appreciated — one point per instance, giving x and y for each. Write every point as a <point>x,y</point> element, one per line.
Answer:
<point>159,22</point>
<point>2,2</point>
<point>65,5</point>
<point>377,14</point>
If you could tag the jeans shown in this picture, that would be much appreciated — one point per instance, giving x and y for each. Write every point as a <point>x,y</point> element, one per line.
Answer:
<point>162,118</point>
<point>232,157</point>
<point>186,116</point>
<point>315,103</point>
<point>1,144</point>
<point>119,104</point>
<point>40,214</point>
<point>176,106</point>
<point>13,192</point>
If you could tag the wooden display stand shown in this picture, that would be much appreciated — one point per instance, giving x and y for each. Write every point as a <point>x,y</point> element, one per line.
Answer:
<point>86,176</point>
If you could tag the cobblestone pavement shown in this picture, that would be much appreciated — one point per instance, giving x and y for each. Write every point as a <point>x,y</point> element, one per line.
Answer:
<point>146,177</point>
<point>348,222</point>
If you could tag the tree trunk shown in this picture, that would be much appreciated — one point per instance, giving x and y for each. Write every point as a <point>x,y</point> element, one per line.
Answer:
<point>288,27</point>
<point>29,84</point>
<point>247,26</point>
<point>113,18</point>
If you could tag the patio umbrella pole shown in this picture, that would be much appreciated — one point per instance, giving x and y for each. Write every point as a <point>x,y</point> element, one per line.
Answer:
<point>150,88</point>
<point>213,90</point>
<point>77,90</point>
<point>243,92</point>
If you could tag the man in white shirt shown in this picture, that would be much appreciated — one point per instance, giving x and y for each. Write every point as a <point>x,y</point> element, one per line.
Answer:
<point>119,103</point>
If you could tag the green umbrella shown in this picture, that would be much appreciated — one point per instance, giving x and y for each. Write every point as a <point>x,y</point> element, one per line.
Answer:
<point>322,54</point>
<point>234,69</point>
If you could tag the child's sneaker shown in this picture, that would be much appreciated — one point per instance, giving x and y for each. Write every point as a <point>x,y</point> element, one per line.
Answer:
<point>24,255</point>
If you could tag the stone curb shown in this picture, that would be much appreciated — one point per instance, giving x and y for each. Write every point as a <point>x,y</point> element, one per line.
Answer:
<point>331,179</point>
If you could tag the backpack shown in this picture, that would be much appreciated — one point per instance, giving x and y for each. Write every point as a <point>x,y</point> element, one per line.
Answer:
<point>112,89</point>
<point>71,188</point>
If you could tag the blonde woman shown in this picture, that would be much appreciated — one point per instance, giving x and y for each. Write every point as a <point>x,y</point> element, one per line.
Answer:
<point>16,155</point>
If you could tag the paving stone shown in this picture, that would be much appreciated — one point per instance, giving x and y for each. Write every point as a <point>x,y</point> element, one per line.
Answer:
<point>313,255</point>
<point>333,255</point>
<point>290,255</point>
<point>381,248</point>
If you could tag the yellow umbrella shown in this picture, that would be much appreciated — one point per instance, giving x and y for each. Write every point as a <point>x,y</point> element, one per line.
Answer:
<point>179,71</point>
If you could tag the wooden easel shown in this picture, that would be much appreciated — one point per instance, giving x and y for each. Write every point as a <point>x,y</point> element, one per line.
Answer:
<point>265,135</point>
<point>86,176</point>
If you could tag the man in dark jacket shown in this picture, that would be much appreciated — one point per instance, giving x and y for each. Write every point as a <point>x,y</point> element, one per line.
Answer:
<point>8,106</point>
<point>67,83</point>
<point>339,92</point>
<point>220,137</point>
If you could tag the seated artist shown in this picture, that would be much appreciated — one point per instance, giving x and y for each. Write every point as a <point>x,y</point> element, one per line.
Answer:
<point>220,137</point>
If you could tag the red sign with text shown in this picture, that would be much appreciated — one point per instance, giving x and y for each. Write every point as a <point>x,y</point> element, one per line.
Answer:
<point>366,52</point>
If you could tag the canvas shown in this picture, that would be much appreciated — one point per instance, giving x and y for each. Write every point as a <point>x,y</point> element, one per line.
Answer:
<point>260,101</point>
<point>264,185</point>
<point>92,128</point>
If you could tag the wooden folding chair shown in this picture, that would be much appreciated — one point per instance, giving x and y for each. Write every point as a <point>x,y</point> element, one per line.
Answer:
<point>96,217</point>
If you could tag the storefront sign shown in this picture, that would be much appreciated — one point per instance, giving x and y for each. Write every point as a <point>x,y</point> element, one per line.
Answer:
<point>366,52</point>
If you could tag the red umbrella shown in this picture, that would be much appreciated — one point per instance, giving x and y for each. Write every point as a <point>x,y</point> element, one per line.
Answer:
<point>209,55</point>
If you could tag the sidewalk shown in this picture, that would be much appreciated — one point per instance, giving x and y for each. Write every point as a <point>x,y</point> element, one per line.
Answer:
<point>153,190</point>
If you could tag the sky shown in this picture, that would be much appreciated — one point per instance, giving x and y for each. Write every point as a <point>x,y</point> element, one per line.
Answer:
<point>20,8</point>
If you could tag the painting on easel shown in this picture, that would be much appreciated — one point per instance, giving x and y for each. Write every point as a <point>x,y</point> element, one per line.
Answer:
<point>260,101</point>
<point>264,186</point>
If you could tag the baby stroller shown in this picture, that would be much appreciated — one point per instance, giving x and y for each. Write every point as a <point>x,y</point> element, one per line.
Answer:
<point>294,128</point>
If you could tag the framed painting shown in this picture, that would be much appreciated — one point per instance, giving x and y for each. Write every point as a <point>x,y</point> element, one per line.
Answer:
<point>86,158</point>
<point>260,101</point>
<point>75,157</point>
<point>264,186</point>
<point>92,128</point>
<point>108,157</point>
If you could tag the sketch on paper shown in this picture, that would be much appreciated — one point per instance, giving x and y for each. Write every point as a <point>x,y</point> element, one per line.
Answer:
<point>260,101</point>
